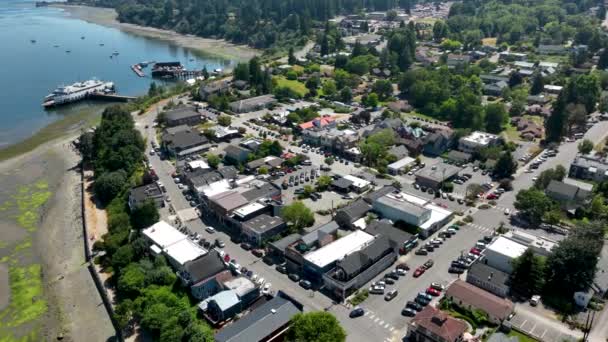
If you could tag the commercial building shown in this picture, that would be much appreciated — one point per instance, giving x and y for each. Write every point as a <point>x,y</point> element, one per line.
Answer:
<point>412,210</point>
<point>262,227</point>
<point>434,325</point>
<point>323,259</point>
<point>182,116</point>
<point>267,322</point>
<point>489,279</point>
<point>236,154</point>
<point>471,297</point>
<point>354,211</point>
<point>175,246</point>
<point>358,184</point>
<point>401,165</point>
<point>214,88</point>
<point>139,195</point>
<point>359,267</point>
<point>589,167</point>
<point>538,244</point>
<point>184,143</point>
<point>201,275</point>
<point>401,241</point>
<point>476,140</point>
<point>570,194</point>
<point>252,104</point>
<point>434,177</point>
<point>501,253</point>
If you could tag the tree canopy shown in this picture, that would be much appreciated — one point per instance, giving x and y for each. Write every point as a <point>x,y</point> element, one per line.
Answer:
<point>316,326</point>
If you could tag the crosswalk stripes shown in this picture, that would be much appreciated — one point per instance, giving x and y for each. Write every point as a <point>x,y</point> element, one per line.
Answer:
<point>480,227</point>
<point>376,319</point>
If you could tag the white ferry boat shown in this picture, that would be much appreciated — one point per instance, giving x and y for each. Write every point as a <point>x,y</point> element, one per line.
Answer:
<point>77,92</point>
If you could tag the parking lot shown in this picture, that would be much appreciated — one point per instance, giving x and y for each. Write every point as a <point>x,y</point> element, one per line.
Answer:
<point>542,324</point>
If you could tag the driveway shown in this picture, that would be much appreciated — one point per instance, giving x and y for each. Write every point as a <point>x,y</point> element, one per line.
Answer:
<point>542,324</point>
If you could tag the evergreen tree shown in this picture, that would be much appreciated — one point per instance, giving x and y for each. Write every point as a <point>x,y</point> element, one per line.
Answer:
<point>505,166</point>
<point>527,277</point>
<point>324,45</point>
<point>555,125</point>
<point>358,49</point>
<point>602,62</point>
<point>291,59</point>
<point>537,84</point>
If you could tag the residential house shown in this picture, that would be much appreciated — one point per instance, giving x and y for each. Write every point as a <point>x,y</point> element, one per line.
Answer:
<point>399,106</point>
<point>471,297</point>
<point>401,165</point>
<point>398,151</point>
<point>267,322</point>
<point>324,121</point>
<point>570,194</point>
<point>508,56</point>
<point>434,325</point>
<point>400,240</point>
<point>162,238</point>
<point>236,154</point>
<point>184,143</point>
<point>222,306</point>
<point>546,49</point>
<point>455,60</point>
<point>252,104</point>
<point>592,167</point>
<point>359,267</point>
<point>438,142</point>
<point>184,115</point>
<point>552,89</point>
<point>459,157</point>
<point>214,88</point>
<point>271,162</point>
<point>139,195</point>
<point>528,129</point>
<point>262,227</point>
<point>488,278</point>
<point>277,248</point>
<point>201,275</point>
<point>495,89</point>
<point>348,215</point>
<point>341,185</point>
<point>413,145</point>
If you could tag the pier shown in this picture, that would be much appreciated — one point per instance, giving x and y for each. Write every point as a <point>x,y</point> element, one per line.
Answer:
<point>111,97</point>
<point>173,70</point>
<point>137,70</point>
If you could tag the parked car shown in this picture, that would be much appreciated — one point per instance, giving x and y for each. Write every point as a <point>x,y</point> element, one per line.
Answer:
<point>425,295</point>
<point>357,312</point>
<point>376,290</point>
<point>413,305</point>
<point>421,252</point>
<point>419,271</point>
<point>403,266</point>
<point>389,281</point>
<point>437,286</point>
<point>535,300</point>
<point>408,312</point>
<point>258,252</point>
<point>282,269</point>
<point>392,275</point>
<point>428,264</point>
<point>266,289</point>
<point>475,251</point>
<point>423,301</point>
<point>456,270</point>
<point>433,292</point>
<point>306,284</point>
<point>220,243</point>
<point>210,230</point>
<point>245,246</point>
<point>390,295</point>
<point>294,277</point>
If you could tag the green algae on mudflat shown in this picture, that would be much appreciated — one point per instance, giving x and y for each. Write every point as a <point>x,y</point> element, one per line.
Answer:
<point>27,303</point>
<point>29,199</point>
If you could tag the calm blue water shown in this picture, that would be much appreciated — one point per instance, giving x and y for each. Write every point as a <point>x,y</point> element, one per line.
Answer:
<point>29,71</point>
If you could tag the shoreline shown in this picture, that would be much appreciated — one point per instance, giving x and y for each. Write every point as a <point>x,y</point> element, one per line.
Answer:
<point>212,47</point>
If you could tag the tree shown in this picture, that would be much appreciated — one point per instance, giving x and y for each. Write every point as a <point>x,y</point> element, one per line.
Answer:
<point>108,185</point>
<point>308,190</point>
<point>263,170</point>
<point>545,177</point>
<point>603,105</point>
<point>312,83</point>
<point>515,80</point>
<point>315,327</point>
<point>365,116</point>
<point>383,88</point>
<point>359,65</point>
<point>602,62</point>
<point>527,277</point>
<point>323,183</point>
<point>122,257</point>
<point>371,100</point>
<point>241,72</point>
<point>577,115</point>
<point>358,49</point>
<point>145,214</point>
<point>537,84</point>
<point>505,166</point>
<point>329,88</point>
<point>346,95</point>
<point>440,30</point>
<point>291,59</point>
<point>224,120</point>
<point>298,215</point>
<point>391,15</point>
<point>496,117</point>
<point>585,146</point>
<point>131,280</point>
<point>533,203</point>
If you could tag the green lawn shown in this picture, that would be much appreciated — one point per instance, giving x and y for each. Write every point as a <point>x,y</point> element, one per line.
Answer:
<point>294,85</point>
<point>511,132</point>
<point>521,337</point>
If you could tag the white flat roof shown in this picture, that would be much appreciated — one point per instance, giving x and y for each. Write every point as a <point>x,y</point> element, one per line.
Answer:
<point>163,234</point>
<point>184,251</point>
<point>339,248</point>
<point>480,138</point>
<point>402,163</point>
<point>215,188</point>
<point>249,209</point>
<point>507,247</point>
<point>195,164</point>
<point>414,199</point>
<point>437,214</point>
<point>357,182</point>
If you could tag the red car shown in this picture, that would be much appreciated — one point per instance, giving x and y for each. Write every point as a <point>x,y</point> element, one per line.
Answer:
<point>419,271</point>
<point>433,292</point>
<point>492,196</point>
<point>475,251</point>
<point>226,258</point>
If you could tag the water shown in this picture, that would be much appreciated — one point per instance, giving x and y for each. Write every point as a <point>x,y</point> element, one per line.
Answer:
<point>29,71</point>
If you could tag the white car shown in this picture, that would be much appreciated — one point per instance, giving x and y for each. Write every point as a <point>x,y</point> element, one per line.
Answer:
<point>507,211</point>
<point>266,289</point>
<point>535,300</point>
<point>401,271</point>
<point>210,230</point>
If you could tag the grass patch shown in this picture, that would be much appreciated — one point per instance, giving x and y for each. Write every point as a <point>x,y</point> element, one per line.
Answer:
<point>359,297</point>
<point>488,41</point>
<point>521,337</point>
<point>294,85</point>
<point>70,124</point>
<point>511,132</point>
<point>26,296</point>
<point>421,116</point>
<point>29,199</point>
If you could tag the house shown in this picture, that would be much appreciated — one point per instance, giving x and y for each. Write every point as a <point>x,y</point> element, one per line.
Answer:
<point>163,238</point>
<point>399,106</point>
<point>267,322</point>
<point>183,115</point>
<point>476,140</point>
<point>488,278</point>
<point>552,89</point>
<point>225,133</point>
<point>347,215</point>
<point>492,79</point>
<point>277,248</point>
<point>569,194</point>
<point>434,178</point>
<point>221,306</point>
<point>236,154</point>
<point>341,185</point>
<point>271,162</point>
<point>545,49</point>
<point>495,89</point>
<point>139,195</point>
<point>434,325</point>
<point>528,128</point>
<point>508,56</point>
<point>455,60</point>
<point>324,121</point>
<point>262,227</point>
<point>214,88</point>
<point>358,185</point>
<point>412,210</point>
<point>184,143</point>
<point>400,240</point>
<point>401,165</point>
<point>436,143</point>
<point>252,104</point>
<point>398,151</point>
<point>459,157</point>
<point>471,297</point>
<point>589,167</point>
<point>359,267</point>
<point>413,145</point>
<point>200,275</point>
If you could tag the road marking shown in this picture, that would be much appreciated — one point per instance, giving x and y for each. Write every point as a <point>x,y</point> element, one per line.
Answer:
<point>523,323</point>
<point>532,330</point>
<point>371,316</point>
<point>392,329</point>
<point>381,323</point>
<point>386,326</point>
<point>543,335</point>
<point>377,319</point>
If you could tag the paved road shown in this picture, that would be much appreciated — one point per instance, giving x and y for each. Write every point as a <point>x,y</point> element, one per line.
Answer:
<point>543,324</point>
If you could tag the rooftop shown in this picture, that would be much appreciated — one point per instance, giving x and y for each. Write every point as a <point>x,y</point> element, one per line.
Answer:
<point>249,209</point>
<point>437,214</point>
<point>184,251</point>
<point>240,285</point>
<point>386,228</point>
<point>507,247</point>
<point>478,298</point>
<point>260,323</point>
<point>440,323</point>
<point>482,271</point>
<point>144,192</point>
<point>286,241</point>
<point>180,113</point>
<point>204,267</point>
<point>402,163</point>
<point>356,262</point>
<point>398,202</point>
<point>356,209</point>
<point>480,138</point>
<point>441,173</point>
<point>163,234</point>
<point>339,248</point>
<point>264,223</point>
<point>314,236</point>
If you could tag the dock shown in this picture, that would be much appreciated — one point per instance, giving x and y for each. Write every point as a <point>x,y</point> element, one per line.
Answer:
<point>137,70</point>
<point>169,70</point>
<point>112,97</point>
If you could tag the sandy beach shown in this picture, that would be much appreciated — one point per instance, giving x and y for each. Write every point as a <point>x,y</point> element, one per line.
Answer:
<point>51,291</point>
<point>107,17</point>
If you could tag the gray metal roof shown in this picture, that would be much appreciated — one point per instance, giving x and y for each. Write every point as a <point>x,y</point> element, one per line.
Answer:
<point>181,113</point>
<point>185,139</point>
<point>441,173</point>
<point>404,206</point>
<point>385,228</point>
<point>492,275</point>
<point>342,183</point>
<point>312,237</point>
<point>355,210</point>
<point>264,223</point>
<point>357,262</point>
<point>372,196</point>
<point>204,267</point>
<point>259,323</point>
<point>286,241</point>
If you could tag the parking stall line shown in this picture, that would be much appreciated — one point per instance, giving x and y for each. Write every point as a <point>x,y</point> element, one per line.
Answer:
<point>376,319</point>
<point>386,326</point>
<point>381,323</point>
